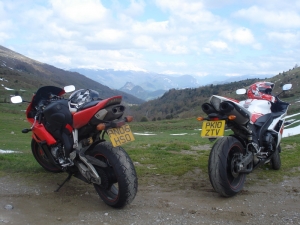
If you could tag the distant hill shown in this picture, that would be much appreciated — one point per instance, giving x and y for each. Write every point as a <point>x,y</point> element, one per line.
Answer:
<point>187,102</point>
<point>137,90</point>
<point>21,72</point>
<point>147,80</point>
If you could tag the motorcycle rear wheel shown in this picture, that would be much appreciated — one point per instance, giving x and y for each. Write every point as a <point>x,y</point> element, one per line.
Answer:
<point>221,167</point>
<point>42,158</point>
<point>119,179</point>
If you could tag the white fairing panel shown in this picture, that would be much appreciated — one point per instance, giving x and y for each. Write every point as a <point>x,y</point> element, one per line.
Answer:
<point>256,107</point>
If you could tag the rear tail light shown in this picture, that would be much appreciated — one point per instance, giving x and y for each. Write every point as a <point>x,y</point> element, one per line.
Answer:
<point>101,126</point>
<point>200,118</point>
<point>231,117</point>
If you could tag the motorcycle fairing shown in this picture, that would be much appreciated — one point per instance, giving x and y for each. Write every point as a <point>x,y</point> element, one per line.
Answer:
<point>40,134</point>
<point>44,93</point>
<point>271,122</point>
<point>83,116</point>
<point>257,107</point>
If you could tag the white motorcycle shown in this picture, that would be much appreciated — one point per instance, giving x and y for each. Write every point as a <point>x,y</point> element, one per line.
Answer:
<point>257,127</point>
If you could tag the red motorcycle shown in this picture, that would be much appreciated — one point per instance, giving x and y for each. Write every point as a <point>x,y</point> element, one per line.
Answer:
<point>68,135</point>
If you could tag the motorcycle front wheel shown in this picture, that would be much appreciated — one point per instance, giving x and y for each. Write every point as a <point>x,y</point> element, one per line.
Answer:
<point>42,158</point>
<point>222,166</point>
<point>275,160</point>
<point>118,180</point>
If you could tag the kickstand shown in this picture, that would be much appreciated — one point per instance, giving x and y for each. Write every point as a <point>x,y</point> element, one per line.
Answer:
<point>60,185</point>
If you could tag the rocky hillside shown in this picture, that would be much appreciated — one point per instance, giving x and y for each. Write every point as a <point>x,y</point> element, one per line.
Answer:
<point>19,72</point>
<point>187,102</point>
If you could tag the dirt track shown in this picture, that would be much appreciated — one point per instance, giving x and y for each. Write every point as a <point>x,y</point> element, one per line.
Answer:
<point>188,200</point>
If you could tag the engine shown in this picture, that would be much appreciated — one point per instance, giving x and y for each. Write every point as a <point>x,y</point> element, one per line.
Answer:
<point>268,141</point>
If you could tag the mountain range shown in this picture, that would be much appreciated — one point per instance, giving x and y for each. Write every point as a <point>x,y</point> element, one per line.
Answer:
<point>147,86</point>
<point>149,81</point>
<point>138,83</point>
<point>22,75</point>
<point>20,72</point>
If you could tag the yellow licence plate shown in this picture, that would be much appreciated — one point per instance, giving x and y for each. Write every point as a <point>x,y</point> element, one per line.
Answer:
<point>213,128</point>
<point>120,135</point>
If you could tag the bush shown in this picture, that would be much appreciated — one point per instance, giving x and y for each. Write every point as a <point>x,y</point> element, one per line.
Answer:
<point>144,119</point>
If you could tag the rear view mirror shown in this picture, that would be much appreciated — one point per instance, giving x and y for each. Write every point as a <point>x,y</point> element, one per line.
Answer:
<point>241,91</point>
<point>16,99</point>
<point>69,88</point>
<point>286,87</point>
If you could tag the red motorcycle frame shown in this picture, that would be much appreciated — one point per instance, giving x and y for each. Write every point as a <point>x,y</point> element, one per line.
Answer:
<point>71,139</point>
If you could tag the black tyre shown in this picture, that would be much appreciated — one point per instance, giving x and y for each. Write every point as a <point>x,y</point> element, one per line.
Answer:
<point>119,180</point>
<point>275,160</point>
<point>42,158</point>
<point>222,166</point>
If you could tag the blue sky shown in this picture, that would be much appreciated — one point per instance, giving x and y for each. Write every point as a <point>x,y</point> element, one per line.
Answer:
<point>197,37</point>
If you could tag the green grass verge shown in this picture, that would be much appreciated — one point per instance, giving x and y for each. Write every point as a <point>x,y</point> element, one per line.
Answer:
<point>166,152</point>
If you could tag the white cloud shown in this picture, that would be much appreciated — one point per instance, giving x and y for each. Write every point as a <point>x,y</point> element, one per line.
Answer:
<point>289,39</point>
<point>271,17</point>
<point>232,74</point>
<point>2,11</point>
<point>176,45</point>
<point>190,16</point>
<point>216,46</point>
<point>135,8</point>
<point>80,12</point>
<point>6,25</point>
<point>107,35</point>
<point>147,42</point>
<point>169,35</point>
<point>5,30</point>
<point>180,7</point>
<point>151,27</point>
<point>241,35</point>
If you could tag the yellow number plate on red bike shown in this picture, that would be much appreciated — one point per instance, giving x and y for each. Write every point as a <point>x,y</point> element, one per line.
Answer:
<point>120,135</point>
<point>211,129</point>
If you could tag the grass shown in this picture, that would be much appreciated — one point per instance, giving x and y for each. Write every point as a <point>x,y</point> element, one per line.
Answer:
<point>168,152</point>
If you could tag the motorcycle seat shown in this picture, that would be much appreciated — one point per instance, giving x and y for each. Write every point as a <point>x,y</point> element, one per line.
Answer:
<point>88,105</point>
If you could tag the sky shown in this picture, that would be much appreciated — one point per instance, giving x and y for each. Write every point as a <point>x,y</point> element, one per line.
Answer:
<point>196,37</point>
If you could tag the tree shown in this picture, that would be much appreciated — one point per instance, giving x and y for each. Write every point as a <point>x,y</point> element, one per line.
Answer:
<point>144,119</point>
<point>169,117</point>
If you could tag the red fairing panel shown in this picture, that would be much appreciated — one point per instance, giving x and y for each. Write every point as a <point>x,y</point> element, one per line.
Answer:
<point>255,116</point>
<point>81,118</point>
<point>232,99</point>
<point>39,133</point>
